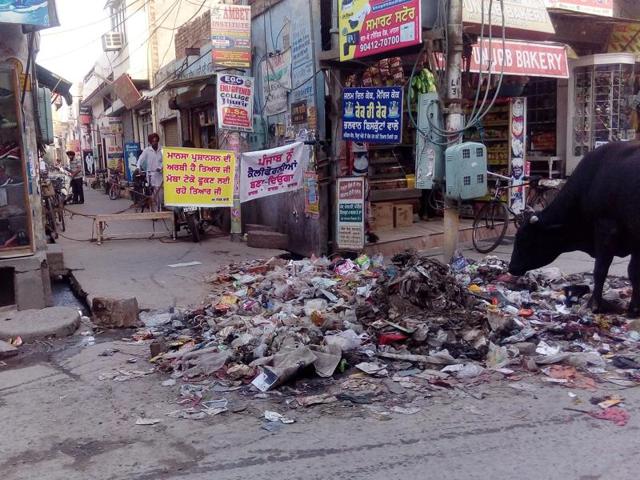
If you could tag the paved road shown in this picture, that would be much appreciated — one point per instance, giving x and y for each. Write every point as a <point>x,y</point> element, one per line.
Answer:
<point>60,422</point>
<point>139,267</point>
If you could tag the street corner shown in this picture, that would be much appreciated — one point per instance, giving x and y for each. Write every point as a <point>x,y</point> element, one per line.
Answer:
<point>30,325</point>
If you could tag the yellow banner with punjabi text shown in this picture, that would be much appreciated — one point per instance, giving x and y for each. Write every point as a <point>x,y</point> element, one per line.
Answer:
<point>198,178</point>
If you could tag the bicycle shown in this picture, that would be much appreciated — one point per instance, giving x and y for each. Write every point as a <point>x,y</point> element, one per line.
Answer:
<point>48,211</point>
<point>115,189</point>
<point>491,222</point>
<point>58,201</point>
<point>141,192</point>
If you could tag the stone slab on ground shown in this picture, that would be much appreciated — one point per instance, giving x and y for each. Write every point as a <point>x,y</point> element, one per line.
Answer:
<point>115,313</point>
<point>55,259</point>
<point>256,227</point>
<point>265,239</point>
<point>7,350</point>
<point>34,324</point>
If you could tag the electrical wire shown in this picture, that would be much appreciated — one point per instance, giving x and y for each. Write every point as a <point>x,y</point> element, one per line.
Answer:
<point>476,117</point>
<point>173,31</point>
<point>55,32</point>
<point>91,42</point>
<point>159,21</point>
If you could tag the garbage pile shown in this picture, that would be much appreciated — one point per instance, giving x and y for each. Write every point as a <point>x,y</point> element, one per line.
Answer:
<point>409,323</point>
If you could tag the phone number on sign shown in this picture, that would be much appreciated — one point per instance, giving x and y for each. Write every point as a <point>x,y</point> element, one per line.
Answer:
<point>381,43</point>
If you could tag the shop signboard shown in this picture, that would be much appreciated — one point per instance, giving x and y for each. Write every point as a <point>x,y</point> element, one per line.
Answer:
<point>524,15</point>
<point>73,146</point>
<point>40,13</point>
<point>231,35</point>
<point>115,159</point>
<point>131,154</point>
<point>299,112</point>
<point>311,195</point>
<point>517,146</point>
<point>112,127</point>
<point>197,177</point>
<point>302,62</point>
<point>372,114</point>
<point>603,8</point>
<point>85,115</point>
<point>520,58</point>
<point>276,83</point>
<point>235,102</point>
<point>371,27</point>
<point>350,213</point>
<point>89,163</point>
<point>270,172</point>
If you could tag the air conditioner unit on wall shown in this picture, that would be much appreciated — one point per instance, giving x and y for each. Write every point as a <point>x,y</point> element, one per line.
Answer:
<point>112,41</point>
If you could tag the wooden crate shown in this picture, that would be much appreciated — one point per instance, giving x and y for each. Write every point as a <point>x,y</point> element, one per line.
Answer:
<point>403,215</point>
<point>382,216</point>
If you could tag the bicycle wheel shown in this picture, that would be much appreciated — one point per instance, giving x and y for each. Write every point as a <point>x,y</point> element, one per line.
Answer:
<point>114,191</point>
<point>51,220</point>
<point>61,213</point>
<point>490,226</point>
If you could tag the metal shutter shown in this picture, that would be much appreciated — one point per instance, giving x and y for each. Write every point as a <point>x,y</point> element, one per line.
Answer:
<point>171,133</point>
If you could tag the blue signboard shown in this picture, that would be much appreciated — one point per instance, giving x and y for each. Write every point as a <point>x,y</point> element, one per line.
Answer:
<point>41,13</point>
<point>131,154</point>
<point>372,114</point>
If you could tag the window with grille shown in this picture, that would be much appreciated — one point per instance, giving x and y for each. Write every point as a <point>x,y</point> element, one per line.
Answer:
<point>466,153</point>
<point>117,11</point>
<point>480,178</point>
<point>479,152</point>
<point>467,181</point>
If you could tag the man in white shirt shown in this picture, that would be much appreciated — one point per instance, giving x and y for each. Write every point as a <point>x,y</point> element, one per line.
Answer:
<point>150,162</point>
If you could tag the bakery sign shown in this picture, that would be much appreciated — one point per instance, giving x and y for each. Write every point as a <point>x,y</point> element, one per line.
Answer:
<point>520,58</point>
<point>522,15</point>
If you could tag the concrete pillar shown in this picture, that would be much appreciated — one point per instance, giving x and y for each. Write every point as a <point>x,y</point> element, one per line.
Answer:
<point>31,281</point>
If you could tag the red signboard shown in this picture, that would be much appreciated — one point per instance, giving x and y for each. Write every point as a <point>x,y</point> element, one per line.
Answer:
<point>369,27</point>
<point>520,58</point>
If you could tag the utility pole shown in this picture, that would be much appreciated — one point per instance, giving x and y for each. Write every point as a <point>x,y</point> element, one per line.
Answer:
<point>454,117</point>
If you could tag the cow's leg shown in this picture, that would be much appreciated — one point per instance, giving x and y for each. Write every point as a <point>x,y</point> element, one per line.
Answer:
<point>603,262</point>
<point>634,278</point>
<point>606,235</point>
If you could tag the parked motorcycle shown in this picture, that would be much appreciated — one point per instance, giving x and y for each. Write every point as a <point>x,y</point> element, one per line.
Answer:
<point>190,219</point>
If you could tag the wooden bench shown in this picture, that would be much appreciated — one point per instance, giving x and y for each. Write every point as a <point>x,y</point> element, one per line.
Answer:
<point>101,223</point>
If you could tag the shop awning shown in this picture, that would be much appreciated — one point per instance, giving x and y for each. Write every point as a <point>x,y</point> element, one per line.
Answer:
<point>126,91</point>
<point>521,58</point>
<point>55,83</point>
<point>589,33</point>
<point>190,82</point>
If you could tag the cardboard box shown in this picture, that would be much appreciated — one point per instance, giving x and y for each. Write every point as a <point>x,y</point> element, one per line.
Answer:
<point>403,215</point>
<point>382,214</point>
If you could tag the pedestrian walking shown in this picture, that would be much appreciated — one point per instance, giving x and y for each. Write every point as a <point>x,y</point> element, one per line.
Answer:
<point>75,169</point>
<point>150,161</point>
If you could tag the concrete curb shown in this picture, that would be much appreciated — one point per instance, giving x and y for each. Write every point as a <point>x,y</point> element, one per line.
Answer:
<point>34,324</point>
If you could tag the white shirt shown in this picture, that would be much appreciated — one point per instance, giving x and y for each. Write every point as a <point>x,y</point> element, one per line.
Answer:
<point>150,160</point>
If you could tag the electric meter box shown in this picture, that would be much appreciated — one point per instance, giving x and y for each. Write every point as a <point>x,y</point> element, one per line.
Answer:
<point>466,171</point>
<point>429,150</point>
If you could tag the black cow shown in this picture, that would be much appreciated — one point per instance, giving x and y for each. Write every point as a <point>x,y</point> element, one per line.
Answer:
<point>597,212</point>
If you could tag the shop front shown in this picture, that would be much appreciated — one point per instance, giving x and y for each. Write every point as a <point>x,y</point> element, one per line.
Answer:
<point>535,105</point>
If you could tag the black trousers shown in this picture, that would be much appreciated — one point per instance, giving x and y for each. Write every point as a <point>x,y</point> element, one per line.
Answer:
<point>77,190</point>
